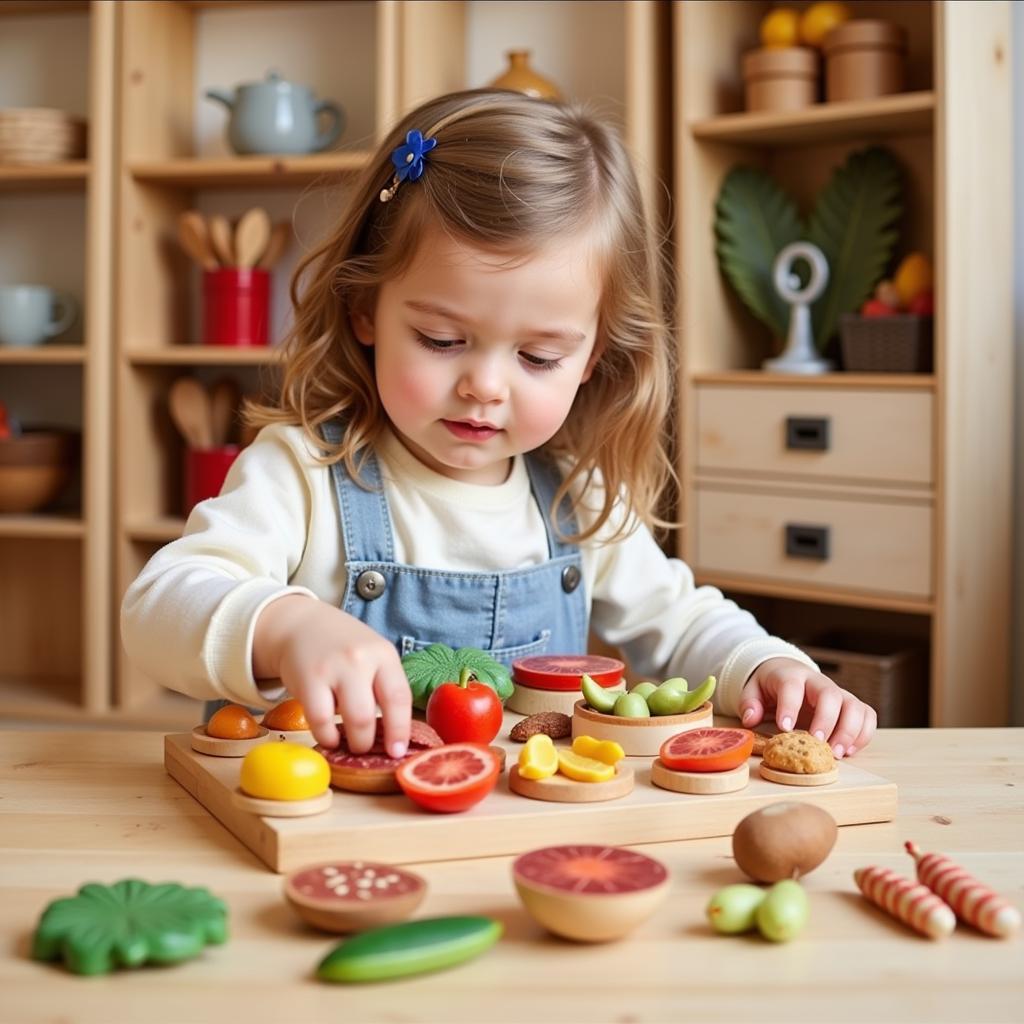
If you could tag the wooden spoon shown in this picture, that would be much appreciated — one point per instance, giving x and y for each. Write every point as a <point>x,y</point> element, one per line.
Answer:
<point>225,396</point>
<point>190,410</point>
<point>221,239</point>
<point>251,237</point>
<point>280,236</point>
<point>195,240</point>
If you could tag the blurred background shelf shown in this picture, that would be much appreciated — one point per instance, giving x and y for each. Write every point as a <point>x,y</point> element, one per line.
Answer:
<point>71,174</point>
<point>248,171</point>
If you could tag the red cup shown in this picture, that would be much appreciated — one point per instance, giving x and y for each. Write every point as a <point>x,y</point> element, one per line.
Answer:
<point>205,470</point>
<point>236,306</point>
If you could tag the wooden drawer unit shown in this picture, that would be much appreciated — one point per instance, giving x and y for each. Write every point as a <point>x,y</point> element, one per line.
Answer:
<point>841,542</point>
<point>863,435</point>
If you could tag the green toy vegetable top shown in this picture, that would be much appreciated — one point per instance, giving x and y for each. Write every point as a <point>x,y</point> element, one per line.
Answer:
<point>426,670</point>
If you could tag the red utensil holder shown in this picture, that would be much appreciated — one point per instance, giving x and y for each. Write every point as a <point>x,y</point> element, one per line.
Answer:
<point>236,306</point>
<point>205,470</point>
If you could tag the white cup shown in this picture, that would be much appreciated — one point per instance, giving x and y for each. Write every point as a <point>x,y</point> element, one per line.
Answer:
<point>31,313</point>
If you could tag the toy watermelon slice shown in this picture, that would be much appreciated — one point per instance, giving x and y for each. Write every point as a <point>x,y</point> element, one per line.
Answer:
<point>565,671</point>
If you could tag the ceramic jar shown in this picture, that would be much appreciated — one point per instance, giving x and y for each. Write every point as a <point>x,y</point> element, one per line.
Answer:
<point>864,59</point>
<point>780,78</point>
<point>520,77</point>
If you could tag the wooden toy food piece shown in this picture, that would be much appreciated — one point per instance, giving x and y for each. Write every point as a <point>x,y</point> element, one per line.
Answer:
<point>783,840</point>
<point>128,924</point>
<point>348,896</point>
<point>637,736</point>
<point>287,720</point>
<point>284,780</point>
<point>783,912</point>
<point>230,732</point>
<point>699,783</point>
<point>450,778</point>
<point>971,901</point>
<point>561,789</point>
<point>552,682</point>
<point>538,759</point>
<point>409,948</point>
<point>438,664</point>
<point>590,893</point>
<point>203,743</point>
<point>374,771</point>
<point>704,761</point>
<point>798,759</point>
<point>910,902</point>
<point>549,723</point>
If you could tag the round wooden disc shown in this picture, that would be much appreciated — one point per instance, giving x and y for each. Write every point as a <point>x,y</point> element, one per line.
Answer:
<point>796,779</point>
<point>561,789</point>
<point>282,808</point>
<point>205,744</point>
<point>638,737</point>
<point>699,783</point>
<point>530,700</point>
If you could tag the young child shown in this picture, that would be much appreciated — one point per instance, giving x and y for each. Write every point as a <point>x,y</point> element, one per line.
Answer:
<point>467,448</point>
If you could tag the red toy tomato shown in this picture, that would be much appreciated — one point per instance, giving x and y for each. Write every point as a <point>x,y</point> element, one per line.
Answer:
<point>450,778</point>
<point>465,712</point>
<point>707,750</point>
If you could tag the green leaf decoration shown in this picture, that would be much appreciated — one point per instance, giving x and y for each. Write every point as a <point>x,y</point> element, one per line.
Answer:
<point>755,220</point>
<point>129,924</point>
<point>855,224</point>
<point>426,670</point>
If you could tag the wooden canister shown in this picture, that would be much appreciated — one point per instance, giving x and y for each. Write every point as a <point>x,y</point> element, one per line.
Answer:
<point>863,59</point>
<point>780,78</point>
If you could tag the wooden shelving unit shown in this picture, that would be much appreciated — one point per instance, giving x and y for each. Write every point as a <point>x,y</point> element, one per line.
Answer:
<point>953,480</point>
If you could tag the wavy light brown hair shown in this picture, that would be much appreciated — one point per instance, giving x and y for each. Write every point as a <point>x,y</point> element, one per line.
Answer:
<point>508,174</point>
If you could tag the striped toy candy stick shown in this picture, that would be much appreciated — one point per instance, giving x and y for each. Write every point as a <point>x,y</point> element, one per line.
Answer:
<point>972,902</point>
<point>907,901</point>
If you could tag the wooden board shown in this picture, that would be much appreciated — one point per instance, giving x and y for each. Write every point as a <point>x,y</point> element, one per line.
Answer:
<point>392,829</point>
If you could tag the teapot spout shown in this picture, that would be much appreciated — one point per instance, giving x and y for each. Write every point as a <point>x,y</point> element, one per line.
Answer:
<point>222,96</point>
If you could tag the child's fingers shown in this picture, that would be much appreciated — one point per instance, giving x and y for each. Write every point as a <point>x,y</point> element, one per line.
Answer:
<point>826,713</point>
<point>789,698</point>
<point>851,721</point>
<point>866,733</point>
<point>358,713</point>
<point>751,704</point>
<point>318,705</point>
<point>391,689</point>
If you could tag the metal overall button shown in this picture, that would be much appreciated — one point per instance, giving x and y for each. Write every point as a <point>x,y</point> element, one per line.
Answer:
<point>570,578</point>
<point>370,584</point>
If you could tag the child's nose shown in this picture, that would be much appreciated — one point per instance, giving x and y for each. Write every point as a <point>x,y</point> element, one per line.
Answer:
<point>483,381</point>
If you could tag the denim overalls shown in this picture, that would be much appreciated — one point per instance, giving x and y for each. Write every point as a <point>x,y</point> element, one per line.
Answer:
<point>510,614</point>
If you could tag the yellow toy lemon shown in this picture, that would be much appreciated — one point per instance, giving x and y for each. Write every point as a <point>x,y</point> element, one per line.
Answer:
<point>584,769</point>
<point>819,19</point>
<point>538,759</point>
<point>284,771</point>
<point>913,276</point>
<point>607,751</point>
<point>781,27</point>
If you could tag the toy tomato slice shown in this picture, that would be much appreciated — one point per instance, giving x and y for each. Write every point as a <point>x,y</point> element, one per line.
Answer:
<point>707,750</point>
<point>449,778</point>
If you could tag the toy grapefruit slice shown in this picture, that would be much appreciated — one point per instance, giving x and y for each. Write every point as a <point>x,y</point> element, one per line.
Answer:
<point>565,671</point>
<point>707,750</point>
<point>449,778</point>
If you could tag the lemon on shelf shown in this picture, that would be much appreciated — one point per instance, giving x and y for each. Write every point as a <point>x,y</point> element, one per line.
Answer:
<point>780,28</point>
<point>819,19</point>
<point>913,277</point>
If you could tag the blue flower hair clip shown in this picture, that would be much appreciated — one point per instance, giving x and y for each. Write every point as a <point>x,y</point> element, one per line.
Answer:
<point>408,161</point>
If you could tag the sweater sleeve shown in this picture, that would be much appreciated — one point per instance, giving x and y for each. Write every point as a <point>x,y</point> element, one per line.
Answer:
<point>188,620</point>
<point>649,606</point>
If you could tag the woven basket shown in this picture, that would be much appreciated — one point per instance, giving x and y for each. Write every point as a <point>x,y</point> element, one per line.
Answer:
<point>30,135</point>
<point>888,674</point>
<point>886,344</point>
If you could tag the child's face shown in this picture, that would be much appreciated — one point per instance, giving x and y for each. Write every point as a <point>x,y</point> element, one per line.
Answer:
<point>479,357</point>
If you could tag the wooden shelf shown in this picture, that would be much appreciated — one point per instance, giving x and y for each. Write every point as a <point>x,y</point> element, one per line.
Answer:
<point>903,114</point>
<point>55,527</point>
<point>250,171</point>
<point>70,174</point>
<point>19,8</point>
<point>204,355</point>
<point>159,530</point>
<point>900,381</point>
<point>41,355</point>
<point>43,697</point>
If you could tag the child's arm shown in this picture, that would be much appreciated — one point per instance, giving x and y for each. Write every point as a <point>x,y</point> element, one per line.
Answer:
<point>331,661</point>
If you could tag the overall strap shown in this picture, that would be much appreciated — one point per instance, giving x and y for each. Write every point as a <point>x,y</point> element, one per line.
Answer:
<point>364,513</point>
<point>545,480</point>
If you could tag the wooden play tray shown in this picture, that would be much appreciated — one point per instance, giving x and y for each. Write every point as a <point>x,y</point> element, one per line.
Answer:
<point>392,829</point>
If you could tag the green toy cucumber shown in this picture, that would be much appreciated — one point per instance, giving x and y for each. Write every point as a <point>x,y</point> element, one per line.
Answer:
<point>597,697</point>
<point>695,698</point>
<point>411,947</point>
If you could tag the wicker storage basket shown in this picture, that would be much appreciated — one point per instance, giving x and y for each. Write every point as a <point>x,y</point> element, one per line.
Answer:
<point>888,674</point>
<point>31,135</point>
<point>886,344</point>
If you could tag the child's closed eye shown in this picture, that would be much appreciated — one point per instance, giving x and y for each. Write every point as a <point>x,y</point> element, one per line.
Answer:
<point>437,344</point>
<point>446,345</point>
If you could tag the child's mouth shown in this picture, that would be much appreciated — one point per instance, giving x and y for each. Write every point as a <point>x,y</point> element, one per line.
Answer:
<point>468,432</point>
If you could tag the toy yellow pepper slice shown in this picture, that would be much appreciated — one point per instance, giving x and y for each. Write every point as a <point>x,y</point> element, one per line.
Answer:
<point>584,769</point>
<point>538,759</point>
<point>600,750</point>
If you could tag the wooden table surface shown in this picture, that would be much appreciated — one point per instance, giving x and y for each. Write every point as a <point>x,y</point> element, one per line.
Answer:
<point>79,807</point>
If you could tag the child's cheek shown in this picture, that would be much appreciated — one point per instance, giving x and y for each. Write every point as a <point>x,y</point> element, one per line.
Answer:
<point>413,389</point>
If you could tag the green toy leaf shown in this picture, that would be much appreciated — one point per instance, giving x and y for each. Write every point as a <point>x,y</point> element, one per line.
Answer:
<point>754,221</point>
<point>426,670</point>
<point>855,224</point>
<point>128,924</point>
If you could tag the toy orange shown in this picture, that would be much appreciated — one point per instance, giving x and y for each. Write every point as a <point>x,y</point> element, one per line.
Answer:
<point>232,722</point>
<point>288,716</point>
<point>781,28</point>
<point>819,19</point>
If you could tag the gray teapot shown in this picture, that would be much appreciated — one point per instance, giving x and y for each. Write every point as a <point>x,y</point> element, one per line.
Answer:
<point>277,116</point>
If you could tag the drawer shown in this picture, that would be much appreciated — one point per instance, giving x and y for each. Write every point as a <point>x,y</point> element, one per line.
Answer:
<point>861,435</point>
<point>884,547</point>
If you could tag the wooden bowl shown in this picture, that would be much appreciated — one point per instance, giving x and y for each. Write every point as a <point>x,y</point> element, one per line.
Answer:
<point>34,468</point>
<point>330,896</point>
<point>532,700</point>
<point>217,746</point>
<point>638,737</point>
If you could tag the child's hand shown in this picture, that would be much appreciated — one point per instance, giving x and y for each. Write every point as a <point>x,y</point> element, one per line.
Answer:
<point>798,692</point>
<point>330,661</point>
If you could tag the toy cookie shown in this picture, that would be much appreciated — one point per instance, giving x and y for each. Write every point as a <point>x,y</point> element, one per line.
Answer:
<point>798,759</point>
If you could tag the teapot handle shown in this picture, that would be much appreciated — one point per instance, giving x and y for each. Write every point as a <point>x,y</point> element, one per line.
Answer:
<point>333,130</point>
